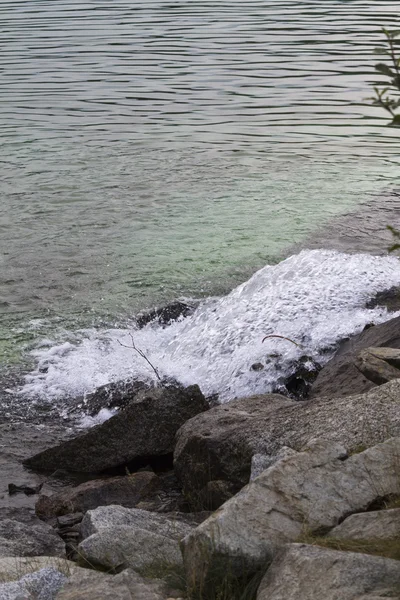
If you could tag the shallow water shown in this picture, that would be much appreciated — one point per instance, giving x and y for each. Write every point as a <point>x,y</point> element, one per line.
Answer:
<point>153,149</point>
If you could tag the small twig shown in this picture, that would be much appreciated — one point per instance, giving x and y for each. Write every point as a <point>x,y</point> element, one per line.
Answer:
<point>282,337</point>
<point>142,354</point>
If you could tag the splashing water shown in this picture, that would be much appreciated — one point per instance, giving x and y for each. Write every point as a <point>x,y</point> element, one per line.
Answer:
<point>315,298</point>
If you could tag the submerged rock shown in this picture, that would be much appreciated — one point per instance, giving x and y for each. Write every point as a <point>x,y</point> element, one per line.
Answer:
<point>166,314</point>
<point>145,428</point>
<point>113,396</point>
<point>307,572</point>
<point>220,443</point>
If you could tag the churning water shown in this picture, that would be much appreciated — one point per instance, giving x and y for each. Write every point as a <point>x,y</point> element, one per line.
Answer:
<point>156,149</point>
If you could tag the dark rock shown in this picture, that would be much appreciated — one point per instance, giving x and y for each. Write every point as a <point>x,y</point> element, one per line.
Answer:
<point>145,428</point>
<point>125,491</point>
<point>23,489</point>
<point>389,299</point>
<point>113,395</point>
<point>298,384</point>
<point>257,366</point>
<point>166,314</point>
<point>69,520</point>
<point>340,376</point>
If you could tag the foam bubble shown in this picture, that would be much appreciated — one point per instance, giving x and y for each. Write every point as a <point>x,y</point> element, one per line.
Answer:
<point>314,298</point>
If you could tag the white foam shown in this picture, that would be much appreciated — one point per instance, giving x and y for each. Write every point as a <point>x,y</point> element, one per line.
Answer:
<point>315,298</point>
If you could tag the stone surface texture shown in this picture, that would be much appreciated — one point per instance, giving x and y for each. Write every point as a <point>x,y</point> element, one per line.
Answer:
<point>340,376</point>
<point>115,536</point>
<point>128,585</point>
<point>40,585</point>
<point>172,525</point>
<point>21,539</point>
<point>126,491</point>
<point>301,572</point>
<point>15,567</point>
<point>313,489</point>
<point>380,524</point>
<point>145,428</point>
<point>220,443</point>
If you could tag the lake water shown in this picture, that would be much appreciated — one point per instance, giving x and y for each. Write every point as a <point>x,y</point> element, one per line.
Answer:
<point>158,149</point>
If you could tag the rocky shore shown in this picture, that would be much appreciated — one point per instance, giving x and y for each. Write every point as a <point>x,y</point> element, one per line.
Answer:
<point>286,496</point>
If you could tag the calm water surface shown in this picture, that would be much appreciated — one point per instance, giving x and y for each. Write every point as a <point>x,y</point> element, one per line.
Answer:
<point>164,148</point>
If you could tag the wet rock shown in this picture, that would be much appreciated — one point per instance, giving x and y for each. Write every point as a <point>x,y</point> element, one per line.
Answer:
<point>298,385</point>
<point>43,585</point>
<point>313,490</point>
<point>166,314</point>
<point>126,491</point>
<point>145,428</point>
<point>381,524</point>
<point>24,489</point>
<point>311,573</point>
<point>113,396</point>
<point>220,443</point>
<point>340,376</point>
<point>20,539</point>
<point>390,299</point>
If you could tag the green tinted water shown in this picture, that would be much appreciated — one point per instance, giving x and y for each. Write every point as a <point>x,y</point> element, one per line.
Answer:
<point>152,149</point>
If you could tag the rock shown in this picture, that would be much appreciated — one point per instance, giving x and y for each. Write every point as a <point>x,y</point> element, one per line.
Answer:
<point>122,547</point>
<point>69,520</point>
<point>390,299</point>
<point>20,539</point>
<point>126,491</point>
<point>24,489</point>
<point>374,525</point>
<point>375,368</point>
<point>166,314</point>
<point>116,537</point>
<point>311,573</point>
<point>298,384</point>
<point>313,489</point>
<point>220,443</point>
<point>340,376</point>
<point>172,525</point>
<point>15,567</point>
<point>41,585</point>
<point>143,429</point>
<point>113,396</point>
<point>128,585</point>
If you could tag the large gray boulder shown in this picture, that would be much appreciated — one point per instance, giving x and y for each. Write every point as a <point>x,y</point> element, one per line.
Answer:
<point>13,568</point>
<point>126,491</point>
<point>218,445</point>
<point>341,375</point>
<point>20,539</point>
<point>118,537</point>
<point>373,525</point>
<point>145,428</point>
<point>311,490</point>
<point>301,572</point>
